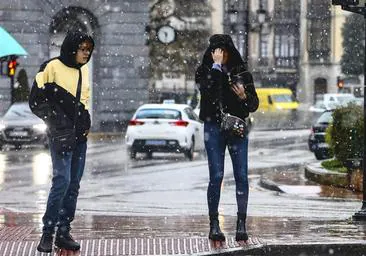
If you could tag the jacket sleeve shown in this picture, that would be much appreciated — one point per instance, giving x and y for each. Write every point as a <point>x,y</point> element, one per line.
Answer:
<point>251,102</point>
<point>208,79</point>
<point>38,102</point>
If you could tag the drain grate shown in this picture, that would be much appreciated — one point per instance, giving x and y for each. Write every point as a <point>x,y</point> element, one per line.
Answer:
<point>128,246</point>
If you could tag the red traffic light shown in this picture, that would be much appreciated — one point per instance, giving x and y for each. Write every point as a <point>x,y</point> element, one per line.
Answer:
<point>340,82</point>
<point>12,64</point>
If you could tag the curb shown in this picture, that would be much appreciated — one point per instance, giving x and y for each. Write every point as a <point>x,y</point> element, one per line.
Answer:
<point>318,174</point>
<point>334,249</point>
<point>269,184</point>
<point>318,249</point>
<point>95,136</point>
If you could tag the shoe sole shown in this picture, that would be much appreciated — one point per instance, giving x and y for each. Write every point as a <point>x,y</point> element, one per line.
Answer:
<point>241,237</point>
<point>41,250</point>
<point>57,246</point>
<point>217,238</point>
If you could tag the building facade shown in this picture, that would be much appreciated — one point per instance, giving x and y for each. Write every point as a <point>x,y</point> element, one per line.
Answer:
<point>321,51</point>
<point>271,45</point>
<point>119,65</point>
<point>297,45</point>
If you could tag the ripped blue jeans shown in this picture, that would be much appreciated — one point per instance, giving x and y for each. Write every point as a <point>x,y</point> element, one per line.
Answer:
<point>216,143</point>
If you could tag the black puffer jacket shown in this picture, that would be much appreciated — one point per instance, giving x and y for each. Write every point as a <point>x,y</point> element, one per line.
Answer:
<point>53,94</point>
<point>214,84</point>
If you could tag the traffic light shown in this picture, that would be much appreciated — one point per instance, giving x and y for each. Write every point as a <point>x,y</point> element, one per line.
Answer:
<point>345,2</point>
<point>340,82</point>
<point>12,64</point>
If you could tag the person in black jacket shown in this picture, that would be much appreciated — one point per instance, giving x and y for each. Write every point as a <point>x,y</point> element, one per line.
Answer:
<point>223,77</point>
<point>53,98</point>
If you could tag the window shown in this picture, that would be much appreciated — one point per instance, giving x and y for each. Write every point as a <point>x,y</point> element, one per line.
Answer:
<point>191,115</point>
<point>318,30</point>
<point>286,45</point>
<point>159,114</point>
<point>287,33</point>
<point>264,46</point>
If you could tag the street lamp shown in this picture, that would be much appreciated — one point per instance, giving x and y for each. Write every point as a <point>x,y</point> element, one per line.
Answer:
<point>261,15</point>
<point>261,18</point>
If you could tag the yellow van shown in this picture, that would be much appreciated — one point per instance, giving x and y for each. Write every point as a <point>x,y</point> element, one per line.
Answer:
<point>276,100</point>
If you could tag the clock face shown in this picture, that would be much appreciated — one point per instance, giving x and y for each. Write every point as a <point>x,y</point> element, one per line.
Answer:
<point>166,34</point>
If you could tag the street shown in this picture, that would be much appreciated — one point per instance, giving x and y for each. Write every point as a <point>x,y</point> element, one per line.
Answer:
<point>168,184</point>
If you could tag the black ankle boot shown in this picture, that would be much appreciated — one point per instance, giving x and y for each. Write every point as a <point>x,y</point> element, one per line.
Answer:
<point>215,231</point>
<point>65,241</point>
<point>46,243</point>
<point>241,232</point>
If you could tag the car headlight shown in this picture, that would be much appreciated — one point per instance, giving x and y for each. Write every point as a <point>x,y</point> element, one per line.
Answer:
<point>40,127</point>
<point>2,127</point>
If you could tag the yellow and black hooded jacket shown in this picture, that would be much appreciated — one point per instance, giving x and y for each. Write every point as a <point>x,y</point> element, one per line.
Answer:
<point>53,94</point>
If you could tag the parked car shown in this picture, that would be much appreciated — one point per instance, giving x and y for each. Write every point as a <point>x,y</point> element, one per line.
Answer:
<point>19,126</point>
<point>331,100</point>
<point>164,128</point>
<point>316,142</point>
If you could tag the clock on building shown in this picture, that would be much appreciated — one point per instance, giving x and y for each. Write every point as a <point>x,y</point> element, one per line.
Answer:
<point>166,34</point>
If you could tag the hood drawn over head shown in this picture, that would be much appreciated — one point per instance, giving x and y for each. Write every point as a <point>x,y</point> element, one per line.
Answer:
<point>223,41</point>
<point>71,44</point>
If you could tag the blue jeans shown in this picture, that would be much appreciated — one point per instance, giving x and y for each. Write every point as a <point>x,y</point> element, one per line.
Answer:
<point>216,143</point>
<point>68,169</point>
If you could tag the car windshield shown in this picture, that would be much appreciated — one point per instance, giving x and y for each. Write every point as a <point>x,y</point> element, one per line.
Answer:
<point>283,98</point>
<point>19,111</point>
<point>326,117</point>
<point>158,113</point>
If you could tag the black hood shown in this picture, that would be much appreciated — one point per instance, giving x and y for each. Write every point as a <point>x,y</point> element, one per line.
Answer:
<point>223,41</point>
<point>70,46</point>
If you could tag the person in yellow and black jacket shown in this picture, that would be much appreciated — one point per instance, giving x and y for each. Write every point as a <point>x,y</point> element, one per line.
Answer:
<point>53,99</point>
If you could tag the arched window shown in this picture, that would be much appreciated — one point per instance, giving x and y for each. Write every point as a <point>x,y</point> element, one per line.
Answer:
<point>320,87</point>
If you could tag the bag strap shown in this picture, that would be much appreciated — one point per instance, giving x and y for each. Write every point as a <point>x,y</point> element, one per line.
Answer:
<point>221,96</point>
<point>78,95</point>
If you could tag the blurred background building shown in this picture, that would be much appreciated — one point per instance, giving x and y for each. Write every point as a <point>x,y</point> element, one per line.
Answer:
<point>287,43</point>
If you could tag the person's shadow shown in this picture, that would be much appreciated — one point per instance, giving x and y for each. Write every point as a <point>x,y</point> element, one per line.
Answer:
<point>64,252</point>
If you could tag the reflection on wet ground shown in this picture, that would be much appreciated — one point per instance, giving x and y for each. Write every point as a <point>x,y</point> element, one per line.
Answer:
<point>271,230</point>
<point>292,181</point>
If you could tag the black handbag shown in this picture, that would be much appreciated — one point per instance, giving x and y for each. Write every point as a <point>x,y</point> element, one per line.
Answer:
<point>64,140</point>
<point>233,125</point>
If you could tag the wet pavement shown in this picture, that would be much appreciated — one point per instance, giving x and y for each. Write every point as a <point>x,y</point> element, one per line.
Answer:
<point>185,235</point>
<point>292,181</point>
<point>158,207</point>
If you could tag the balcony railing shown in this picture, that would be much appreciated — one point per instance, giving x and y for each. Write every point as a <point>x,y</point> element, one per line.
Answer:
<point>277,62</point>
<point>286,62</point>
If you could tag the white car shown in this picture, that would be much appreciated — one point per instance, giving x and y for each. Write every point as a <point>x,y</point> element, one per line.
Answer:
<point>164,128</point>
